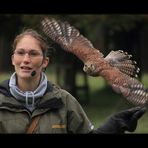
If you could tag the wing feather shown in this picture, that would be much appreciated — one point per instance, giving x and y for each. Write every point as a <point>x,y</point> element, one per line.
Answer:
<point>68,37</point>
<point>122,60</point>
<point>116,68</point>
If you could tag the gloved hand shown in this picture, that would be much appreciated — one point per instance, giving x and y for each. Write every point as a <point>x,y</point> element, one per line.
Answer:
<point>122,121</point>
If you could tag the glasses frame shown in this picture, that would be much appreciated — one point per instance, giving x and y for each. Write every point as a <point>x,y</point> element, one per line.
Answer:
<point>31,53</point>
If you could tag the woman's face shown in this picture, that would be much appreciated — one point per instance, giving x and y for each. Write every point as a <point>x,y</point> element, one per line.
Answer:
<point>28,57</point>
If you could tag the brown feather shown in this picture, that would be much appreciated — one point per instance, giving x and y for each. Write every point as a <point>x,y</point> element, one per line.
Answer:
<point>116,68</point>
<point>122,61</point>
<point>69,38</point>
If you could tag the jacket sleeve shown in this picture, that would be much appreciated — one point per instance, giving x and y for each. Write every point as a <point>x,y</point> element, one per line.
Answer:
<point>77,119</point>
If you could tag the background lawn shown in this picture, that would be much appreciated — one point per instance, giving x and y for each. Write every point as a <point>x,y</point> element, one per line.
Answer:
<point>103,100</point>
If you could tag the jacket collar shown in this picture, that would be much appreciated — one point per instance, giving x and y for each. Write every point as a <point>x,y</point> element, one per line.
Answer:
<point>51,100</point>
<point>4,88</point>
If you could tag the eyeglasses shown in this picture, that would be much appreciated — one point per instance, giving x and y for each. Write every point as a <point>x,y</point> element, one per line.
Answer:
<point>31,53</point>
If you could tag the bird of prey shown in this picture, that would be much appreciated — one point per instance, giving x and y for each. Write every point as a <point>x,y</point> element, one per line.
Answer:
<point>116,68</point>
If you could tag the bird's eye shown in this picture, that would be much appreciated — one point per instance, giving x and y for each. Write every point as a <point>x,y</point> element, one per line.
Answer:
<point>91,65</point>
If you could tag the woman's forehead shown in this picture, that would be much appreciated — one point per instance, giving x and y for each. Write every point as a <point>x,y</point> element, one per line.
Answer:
<point>28,42</point>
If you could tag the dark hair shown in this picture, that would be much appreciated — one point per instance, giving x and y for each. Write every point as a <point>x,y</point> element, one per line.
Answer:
<point>42,41</point>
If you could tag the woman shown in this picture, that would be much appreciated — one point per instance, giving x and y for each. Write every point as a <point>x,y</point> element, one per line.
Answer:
<point>29,103</point>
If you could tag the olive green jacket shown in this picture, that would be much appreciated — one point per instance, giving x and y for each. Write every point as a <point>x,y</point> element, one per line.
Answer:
<point>60,113</point>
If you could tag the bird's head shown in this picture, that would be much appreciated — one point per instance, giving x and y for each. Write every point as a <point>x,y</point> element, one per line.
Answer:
<point>89,68</point>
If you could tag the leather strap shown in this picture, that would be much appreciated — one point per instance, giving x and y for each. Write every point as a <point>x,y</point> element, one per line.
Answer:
<point>33,125</point>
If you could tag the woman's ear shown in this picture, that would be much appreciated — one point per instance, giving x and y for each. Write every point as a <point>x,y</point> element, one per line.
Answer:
<point>45,62</point>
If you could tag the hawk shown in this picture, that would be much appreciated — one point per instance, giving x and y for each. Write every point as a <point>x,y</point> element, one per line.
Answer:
<point>116,68</point>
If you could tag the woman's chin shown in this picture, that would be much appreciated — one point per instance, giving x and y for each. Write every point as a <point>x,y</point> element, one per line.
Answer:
<point>25,75</point>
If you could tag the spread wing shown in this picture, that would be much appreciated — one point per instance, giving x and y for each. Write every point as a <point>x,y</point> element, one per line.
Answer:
<point>69,38</point>
<point>116,68</point>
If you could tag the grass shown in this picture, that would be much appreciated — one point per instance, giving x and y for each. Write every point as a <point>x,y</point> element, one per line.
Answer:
<point>103,102</point>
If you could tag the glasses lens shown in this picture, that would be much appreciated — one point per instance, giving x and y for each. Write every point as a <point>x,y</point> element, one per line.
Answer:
<point>32,53</point>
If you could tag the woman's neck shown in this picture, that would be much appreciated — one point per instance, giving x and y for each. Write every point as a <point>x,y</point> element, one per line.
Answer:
<point>28,84</point>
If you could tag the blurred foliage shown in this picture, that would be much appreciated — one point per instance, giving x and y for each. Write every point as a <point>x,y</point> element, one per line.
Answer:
<point>116,22</point>
<point>88,24</point>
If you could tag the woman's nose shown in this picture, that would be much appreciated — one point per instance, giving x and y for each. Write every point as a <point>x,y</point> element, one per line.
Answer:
<point>26,58</point>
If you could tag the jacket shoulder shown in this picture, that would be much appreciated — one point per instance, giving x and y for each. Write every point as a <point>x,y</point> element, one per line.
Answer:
<point>55,90</point>
<point>4,87</point>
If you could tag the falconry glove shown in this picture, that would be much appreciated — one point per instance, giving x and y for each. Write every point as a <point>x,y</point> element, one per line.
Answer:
<point>122,121</point>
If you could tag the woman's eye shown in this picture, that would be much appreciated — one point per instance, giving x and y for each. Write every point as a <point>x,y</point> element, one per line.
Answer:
<point>34,54</point>
<point>20,53</point>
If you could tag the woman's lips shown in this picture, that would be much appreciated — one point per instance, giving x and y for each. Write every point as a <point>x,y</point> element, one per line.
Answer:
<point>26,69</point>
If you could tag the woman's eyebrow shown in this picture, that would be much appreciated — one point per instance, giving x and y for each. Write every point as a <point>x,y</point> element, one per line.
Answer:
<point>26,49</point>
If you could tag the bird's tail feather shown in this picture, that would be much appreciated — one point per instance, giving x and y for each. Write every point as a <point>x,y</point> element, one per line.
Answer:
<point>122,61</point>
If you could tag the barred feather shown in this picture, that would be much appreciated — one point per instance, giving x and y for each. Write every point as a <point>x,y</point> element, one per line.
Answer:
<point>62,32</point>
<point>133,91</point>
<point>122,61</point>
<point>116,68</point>
<point>138,96</point>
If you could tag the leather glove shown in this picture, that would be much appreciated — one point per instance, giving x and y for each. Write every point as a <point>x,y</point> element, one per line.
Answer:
<point>122,121</point>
